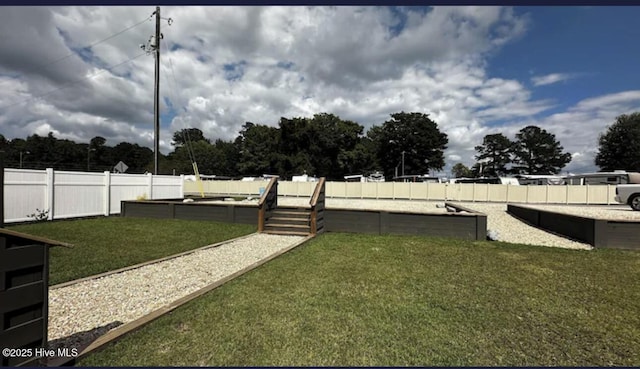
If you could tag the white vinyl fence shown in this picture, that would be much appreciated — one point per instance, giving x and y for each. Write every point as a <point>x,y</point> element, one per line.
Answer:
<point>480,192</point>
<point>78,194</point>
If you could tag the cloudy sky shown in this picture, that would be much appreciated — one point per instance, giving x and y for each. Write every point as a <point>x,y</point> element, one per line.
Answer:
<point>79,72</point>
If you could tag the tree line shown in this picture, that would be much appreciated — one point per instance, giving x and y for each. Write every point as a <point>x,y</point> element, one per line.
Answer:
<point>536,151</point>
<point>326,145</point>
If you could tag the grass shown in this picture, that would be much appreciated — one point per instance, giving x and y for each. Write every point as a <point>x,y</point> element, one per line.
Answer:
<point>359,300</point>
<point>104,244</point>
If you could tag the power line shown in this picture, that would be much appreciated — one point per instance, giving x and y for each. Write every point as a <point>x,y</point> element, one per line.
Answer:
<point>69,84</point>
<point>97,42</point>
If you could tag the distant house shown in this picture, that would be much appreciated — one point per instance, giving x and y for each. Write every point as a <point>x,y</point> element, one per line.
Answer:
<point>373,177</point>
<point>539,179</point>
<point>487,180</point>
<point>417,178</point>
<point>304,178</point>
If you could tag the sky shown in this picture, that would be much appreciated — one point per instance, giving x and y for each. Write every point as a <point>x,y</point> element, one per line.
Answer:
<point>80,72</point>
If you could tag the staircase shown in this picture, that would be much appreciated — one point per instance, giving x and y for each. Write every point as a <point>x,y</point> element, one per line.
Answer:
<point>289,221</point>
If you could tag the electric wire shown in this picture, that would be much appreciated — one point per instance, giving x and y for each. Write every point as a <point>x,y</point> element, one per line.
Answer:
<point>69,84</point>
<point>48,65</point>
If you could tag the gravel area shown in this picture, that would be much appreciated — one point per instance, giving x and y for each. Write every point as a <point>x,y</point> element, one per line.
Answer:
<point>507,228</point>
<point>92,307</point>
<point>500,225</point>
<point>609,212</point>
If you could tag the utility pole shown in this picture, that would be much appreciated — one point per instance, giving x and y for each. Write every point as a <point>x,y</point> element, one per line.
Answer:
<point>156,97</point>
<point>154,48</point>
<point>403,163</point>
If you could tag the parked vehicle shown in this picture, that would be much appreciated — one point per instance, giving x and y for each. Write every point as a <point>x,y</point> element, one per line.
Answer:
<point>601,178</point>
<point>629,194</point>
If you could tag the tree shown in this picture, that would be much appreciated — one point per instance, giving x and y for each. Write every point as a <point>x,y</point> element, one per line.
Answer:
<point>186,135</point>
<point>257,149</point>
<point>324,145</point>
<point>460,171</point>
<point>537,151</point>
<point>417,136</point>
<point>620,144</point>
<point>495,153</point>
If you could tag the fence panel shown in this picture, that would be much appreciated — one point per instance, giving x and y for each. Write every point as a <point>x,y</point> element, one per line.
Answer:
<point>164,187</point>
<point>353,189</point>
<point>436,191</point>
<point>419,191</point>
<point>24,192</point>
<point>516,193</point>
<point>385,190</point>
<point>369,190</point>
<point>497,193</point>
<point>401,190</point>
<point>576,195</point>
<point>599,194</point>
<point>478,192</point>
<point>77,194</point>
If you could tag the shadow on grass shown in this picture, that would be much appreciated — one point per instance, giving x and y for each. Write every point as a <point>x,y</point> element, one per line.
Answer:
<point>75,343</point>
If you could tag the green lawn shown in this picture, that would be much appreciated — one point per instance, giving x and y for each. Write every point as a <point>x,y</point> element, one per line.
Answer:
<point>104,244</point>
<point>358,300</point>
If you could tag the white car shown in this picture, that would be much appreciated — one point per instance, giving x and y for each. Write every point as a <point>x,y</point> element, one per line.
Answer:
<point>629,194</point>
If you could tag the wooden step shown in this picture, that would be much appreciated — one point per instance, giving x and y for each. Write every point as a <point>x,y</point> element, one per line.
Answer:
<point>289,220</point>
<point>291,213</point>
<point>287,225</point>
<point>287,233</point>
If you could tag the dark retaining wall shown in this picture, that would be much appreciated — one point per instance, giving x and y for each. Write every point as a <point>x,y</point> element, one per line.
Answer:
<point>190,211</point>
<point>596,232</point>
<point>471,226</point>
<point>24,301</point>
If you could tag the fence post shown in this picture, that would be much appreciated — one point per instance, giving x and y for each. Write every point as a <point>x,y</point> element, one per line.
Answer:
<point>473,196</point>
<point>566,195</point>
<point>181,186</point>
<point>508,185</point>
<point>150,186</point>
<point>587,187</point>
<point>608,194</point>
<point>546,196</point>
<point>50,192</point>
<point>107,193</point>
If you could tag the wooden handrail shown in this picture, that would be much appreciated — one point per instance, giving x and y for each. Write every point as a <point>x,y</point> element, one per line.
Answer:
<point>316,193</point>
<point>262,212</point>
<point>314,205</point>
<point>263,198</point>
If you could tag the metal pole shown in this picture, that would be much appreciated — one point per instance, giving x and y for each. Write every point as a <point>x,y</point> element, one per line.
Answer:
<point>156,100</point>
<point>88,156</point>
<point>20,159</point>
<point>403,163</point>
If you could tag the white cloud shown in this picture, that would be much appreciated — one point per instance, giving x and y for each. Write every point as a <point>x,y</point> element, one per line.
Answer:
<point>359,63</point>
<point>550,79</point>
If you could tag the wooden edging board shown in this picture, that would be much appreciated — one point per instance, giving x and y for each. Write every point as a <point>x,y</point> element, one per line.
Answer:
<point>124,329</point>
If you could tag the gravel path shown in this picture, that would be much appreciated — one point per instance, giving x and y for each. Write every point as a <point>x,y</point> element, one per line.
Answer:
<point>511,229</point>
<point>123,297</point>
